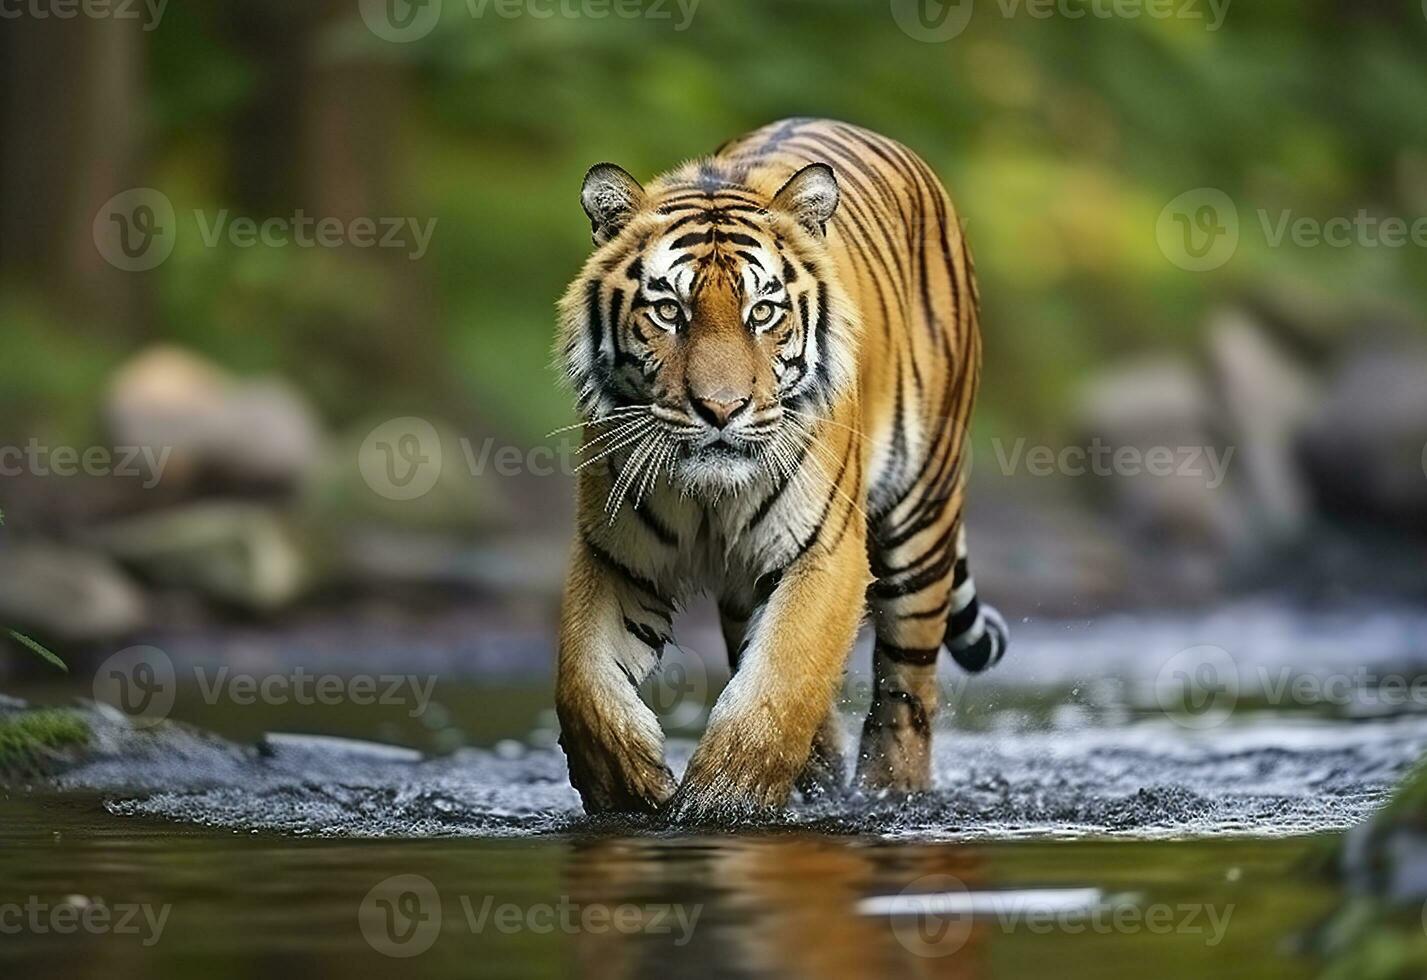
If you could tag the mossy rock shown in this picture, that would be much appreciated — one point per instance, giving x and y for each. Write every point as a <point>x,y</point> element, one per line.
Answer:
<point>1380,930</point>
<point>33,742</point>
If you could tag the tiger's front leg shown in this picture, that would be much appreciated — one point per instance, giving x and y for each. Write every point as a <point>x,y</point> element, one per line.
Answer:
<point>612,630</point>
<point>761,730</point>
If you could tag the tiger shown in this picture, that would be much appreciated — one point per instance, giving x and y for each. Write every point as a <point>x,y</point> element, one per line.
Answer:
<point>774,351</point>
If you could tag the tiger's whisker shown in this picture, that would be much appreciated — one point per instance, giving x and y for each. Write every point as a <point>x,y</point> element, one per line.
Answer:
<point>626,441</point>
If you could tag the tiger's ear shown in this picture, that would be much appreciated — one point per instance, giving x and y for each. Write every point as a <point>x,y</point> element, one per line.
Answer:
<point>810,196</point>
<point>610,197</point>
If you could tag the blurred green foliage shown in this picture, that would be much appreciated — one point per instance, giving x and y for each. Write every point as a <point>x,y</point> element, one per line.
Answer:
<point>1060,138</point>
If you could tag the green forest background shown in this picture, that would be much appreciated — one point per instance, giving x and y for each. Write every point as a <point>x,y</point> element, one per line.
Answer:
<point>1062,139</point>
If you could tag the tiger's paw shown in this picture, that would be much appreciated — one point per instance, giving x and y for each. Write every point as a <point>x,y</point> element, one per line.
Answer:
<point>724,798</point>
<point>715,807</point>
<point>616,781</point>
<point>895,756</point>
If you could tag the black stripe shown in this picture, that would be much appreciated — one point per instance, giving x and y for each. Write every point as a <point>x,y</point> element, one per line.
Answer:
<point>978,656</point>
<point>963,620</point>
<point>827,507</point>
<point>917,657</point>
<point>772,498</point>
<point>596,320</point>
<point>918,713</point>
<point>693,238</point>
<point>654,525</point>
<point>647,635</point>
<point>614,564</point>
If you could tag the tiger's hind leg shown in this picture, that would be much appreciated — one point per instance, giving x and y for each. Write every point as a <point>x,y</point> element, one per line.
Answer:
<point>908,602</point>
<point>923,598</point>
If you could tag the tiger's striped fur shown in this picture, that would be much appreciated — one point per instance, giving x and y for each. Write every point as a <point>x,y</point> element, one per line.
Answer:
<point>776,350</point>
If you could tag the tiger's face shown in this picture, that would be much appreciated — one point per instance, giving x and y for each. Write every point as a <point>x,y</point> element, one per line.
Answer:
<point>707,330</point>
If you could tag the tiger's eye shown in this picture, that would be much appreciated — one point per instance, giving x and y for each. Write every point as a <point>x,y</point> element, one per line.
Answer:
<point>761,313</point>
<point>667,310</point>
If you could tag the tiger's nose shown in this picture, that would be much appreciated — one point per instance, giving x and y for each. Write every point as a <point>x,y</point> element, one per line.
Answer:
<point>718,410</point>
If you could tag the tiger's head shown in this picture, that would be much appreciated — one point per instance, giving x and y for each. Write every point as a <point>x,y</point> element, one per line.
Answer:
<point>708,330</point>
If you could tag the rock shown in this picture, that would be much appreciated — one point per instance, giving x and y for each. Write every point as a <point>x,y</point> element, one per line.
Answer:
<point>1163,407</point>
<point>296,744</point>
<point>208,426</point>
<point>67,595</point>
<point>94,746</point>
<point>236,553</point>
<point>1365,449</point>
<point>1266,400</point>
<point>1377,931</point>
<point>33,743</point>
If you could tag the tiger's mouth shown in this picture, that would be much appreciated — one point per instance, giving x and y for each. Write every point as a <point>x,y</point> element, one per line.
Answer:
<point>719,467</point>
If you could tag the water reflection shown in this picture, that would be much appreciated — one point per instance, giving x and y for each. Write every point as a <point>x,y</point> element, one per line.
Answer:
<point>784,906</point>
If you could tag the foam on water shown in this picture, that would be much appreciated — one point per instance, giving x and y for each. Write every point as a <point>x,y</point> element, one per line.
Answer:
<point>1260,777</point>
